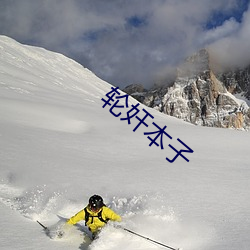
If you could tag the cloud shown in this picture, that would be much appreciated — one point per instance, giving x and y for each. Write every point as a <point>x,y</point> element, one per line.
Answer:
<point>233,49</point>
<point>121,41</point>
<point>228,28</point>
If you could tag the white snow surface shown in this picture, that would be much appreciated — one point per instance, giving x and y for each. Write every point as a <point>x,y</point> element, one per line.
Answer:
<point>59,146</point>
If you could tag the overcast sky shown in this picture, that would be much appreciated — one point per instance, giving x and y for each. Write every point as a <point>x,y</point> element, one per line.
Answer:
<point>131,41</point>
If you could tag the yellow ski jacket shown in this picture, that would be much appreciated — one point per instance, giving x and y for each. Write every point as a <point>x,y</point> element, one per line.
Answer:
<point>94,223</point>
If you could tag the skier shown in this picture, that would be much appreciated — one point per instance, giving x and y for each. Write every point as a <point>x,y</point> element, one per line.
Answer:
<point>95,214</point>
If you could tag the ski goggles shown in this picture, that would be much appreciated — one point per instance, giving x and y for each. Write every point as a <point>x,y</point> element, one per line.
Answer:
<point>94,208</point>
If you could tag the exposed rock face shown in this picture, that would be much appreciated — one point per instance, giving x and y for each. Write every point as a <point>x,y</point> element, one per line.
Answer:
<point>199,97</point>
<point>237,81</point>
<point>136,90</point>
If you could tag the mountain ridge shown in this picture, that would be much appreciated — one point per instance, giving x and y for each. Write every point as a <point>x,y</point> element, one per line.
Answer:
<point>201,95</point>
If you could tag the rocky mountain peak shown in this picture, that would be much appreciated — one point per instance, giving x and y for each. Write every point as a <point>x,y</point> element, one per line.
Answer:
<point>196,64</point>
<point>200,96</point>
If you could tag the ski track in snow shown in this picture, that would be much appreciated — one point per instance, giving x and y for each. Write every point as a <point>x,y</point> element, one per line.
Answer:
<point>145,214</point>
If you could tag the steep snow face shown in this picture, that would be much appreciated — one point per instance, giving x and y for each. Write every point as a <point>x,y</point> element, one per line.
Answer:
<point>59,146</point>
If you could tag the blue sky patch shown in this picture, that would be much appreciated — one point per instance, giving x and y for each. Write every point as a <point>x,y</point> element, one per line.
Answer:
<point>136,21</point>
<point>219,17</point>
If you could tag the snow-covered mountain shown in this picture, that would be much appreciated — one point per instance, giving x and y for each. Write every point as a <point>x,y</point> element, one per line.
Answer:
<point>201,95</point>
<point>59,144</point>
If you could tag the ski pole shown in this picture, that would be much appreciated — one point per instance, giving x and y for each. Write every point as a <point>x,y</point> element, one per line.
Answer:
<point>45,228</point>
<point>146,238</point>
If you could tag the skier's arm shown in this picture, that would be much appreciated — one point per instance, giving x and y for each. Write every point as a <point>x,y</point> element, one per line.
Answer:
<point>77,217</point>
<point>110,214</point>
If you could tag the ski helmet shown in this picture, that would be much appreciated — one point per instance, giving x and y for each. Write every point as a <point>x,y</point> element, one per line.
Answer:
<point>95,202</point>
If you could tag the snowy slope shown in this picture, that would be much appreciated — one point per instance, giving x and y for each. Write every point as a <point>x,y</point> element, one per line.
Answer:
<point>59,146</point>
